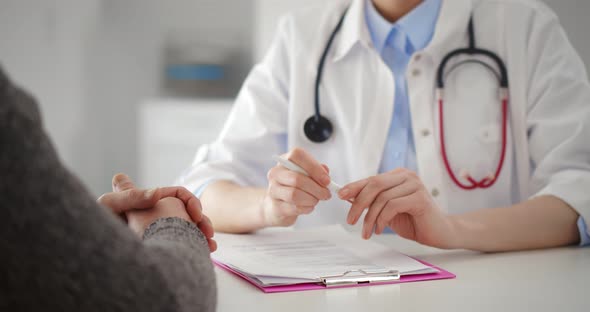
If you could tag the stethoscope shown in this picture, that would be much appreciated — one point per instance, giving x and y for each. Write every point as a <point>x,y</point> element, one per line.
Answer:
<point>319,129</point>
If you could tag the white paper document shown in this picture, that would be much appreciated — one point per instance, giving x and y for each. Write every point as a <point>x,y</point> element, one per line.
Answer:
<point>303,256</point>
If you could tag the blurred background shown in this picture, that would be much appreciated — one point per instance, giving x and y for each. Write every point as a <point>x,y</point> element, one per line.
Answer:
<point>136,86</point>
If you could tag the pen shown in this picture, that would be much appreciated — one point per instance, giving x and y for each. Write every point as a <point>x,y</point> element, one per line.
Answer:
<point>293,167</point>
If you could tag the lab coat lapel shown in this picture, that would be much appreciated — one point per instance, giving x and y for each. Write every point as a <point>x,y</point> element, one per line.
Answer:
<point>374,105</point>
<point>354,30</point>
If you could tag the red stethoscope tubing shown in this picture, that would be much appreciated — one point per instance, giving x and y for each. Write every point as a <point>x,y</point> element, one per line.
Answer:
<point>487,181</point>
<point>502,76</point>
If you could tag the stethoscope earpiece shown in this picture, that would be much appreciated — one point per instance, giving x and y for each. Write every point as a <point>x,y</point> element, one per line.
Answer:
<point>318,129</point>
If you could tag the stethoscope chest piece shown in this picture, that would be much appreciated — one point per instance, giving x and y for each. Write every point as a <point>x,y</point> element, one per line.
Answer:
<point>318,129</point>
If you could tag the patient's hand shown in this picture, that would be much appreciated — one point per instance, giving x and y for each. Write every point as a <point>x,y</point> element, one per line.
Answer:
<point>140,207</point>
<point>139,220</point>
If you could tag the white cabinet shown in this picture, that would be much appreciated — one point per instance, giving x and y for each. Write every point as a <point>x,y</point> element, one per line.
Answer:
<point>170,131</point>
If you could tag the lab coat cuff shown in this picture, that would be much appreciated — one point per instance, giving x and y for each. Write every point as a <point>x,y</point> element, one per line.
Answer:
<point>572,191</point>
<point>584,234</point>
<point>197,179</point>
<point>199,191</point>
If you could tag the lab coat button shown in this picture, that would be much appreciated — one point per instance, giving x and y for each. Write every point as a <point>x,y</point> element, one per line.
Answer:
<point>417,57</point>
<point>425,132</point>
<point>435,192</point>
<point>416,72</point>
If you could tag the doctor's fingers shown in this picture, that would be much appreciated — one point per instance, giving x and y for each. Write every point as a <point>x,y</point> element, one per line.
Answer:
<point>402,206</point>
<point>287,209</point>
<point>385,201</point>
<point>314,169</point>
<point>291,195</point>
<point>287,177</point>
<point>392,209</point>
<point>388,179</point>
<point>369,190</point>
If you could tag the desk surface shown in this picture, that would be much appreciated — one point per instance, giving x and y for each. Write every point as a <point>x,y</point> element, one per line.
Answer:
<point>539,280</point>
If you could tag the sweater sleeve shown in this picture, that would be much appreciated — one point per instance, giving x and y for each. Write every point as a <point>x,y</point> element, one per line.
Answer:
<point>63,252</point>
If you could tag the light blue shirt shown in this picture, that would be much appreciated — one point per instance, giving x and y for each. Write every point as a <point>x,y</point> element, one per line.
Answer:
<point>396,43</point>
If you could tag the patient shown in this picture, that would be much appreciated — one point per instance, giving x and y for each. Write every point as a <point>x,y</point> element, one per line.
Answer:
<point>61,251</point>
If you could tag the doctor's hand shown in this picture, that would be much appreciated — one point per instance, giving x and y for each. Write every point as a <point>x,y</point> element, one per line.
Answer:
<point>291,194</point>
<point>141,207</point>
<point>398,199</point>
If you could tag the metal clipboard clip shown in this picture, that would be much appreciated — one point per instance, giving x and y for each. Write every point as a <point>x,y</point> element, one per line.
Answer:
<point>361,277</point>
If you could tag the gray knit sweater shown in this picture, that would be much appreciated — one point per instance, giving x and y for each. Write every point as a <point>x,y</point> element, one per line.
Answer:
<point>60,251</point>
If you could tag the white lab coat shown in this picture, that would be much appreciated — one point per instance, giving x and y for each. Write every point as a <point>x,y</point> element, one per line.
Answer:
<point>549,112</point>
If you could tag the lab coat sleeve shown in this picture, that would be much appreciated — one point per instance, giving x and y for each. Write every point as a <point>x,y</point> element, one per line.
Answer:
<point>558,119</point>
<point>256,127</point>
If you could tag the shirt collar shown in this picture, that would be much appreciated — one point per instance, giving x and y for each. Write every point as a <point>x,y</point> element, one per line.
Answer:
<point>418,25</point>
<point>451,27</point>
<point>354,29</point>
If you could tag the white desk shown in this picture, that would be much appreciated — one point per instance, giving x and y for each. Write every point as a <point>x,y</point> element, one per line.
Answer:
<point>541,280</point>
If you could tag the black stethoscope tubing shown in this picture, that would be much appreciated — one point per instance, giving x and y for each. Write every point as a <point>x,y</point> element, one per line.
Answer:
<point>472,50</point>
<point>318,128</point>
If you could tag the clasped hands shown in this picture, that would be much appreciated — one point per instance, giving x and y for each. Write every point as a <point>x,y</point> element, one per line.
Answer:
<point>140,207</point>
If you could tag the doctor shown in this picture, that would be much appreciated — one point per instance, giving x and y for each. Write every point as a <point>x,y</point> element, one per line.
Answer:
<point>498,161</point>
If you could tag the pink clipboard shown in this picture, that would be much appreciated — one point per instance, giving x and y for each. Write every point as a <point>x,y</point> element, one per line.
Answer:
<point>442,274</point>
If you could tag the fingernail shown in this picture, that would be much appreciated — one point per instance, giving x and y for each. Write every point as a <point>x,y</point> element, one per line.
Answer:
<point>365,234</point>
<point>328,196</point>
<point>148,194</point>
<point>343,193</point>
<point>325,180</point>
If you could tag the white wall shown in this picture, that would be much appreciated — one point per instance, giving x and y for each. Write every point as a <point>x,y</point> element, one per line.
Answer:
<point>573,15</point>
<point>42,48</point>
<point>88,63</point>
<point>91,63</point>
<point>121,63</point>
<point>266,16</point>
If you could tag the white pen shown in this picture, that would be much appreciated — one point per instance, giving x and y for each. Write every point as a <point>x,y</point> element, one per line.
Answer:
<point>293,167</point>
